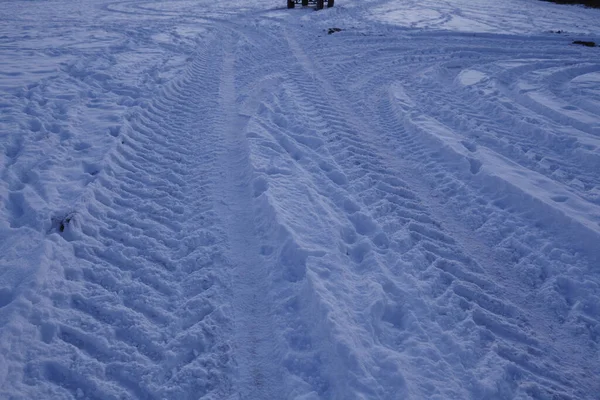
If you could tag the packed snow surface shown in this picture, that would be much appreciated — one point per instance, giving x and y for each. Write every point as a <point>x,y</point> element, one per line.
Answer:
<point>220,200</point>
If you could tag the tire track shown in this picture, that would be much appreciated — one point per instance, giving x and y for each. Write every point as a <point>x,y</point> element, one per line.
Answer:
<point>143,304</point>
<point>479,305</point>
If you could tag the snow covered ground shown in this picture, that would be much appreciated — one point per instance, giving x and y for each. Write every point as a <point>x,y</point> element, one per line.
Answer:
<point>220,200</point>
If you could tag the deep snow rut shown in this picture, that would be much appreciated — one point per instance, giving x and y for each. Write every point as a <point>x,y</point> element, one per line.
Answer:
<point>258,376</point>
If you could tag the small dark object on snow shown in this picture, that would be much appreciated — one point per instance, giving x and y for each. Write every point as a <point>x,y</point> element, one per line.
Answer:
<point>333,30</point>
<point>60,223</point>
<point>583,43</point>
<point>64,223</point>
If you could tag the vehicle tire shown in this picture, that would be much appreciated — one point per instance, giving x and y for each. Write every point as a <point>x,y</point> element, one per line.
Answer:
<point>320,4</point>
<point>304,3</point>
<point>329,3</point>
<point>291,3</point>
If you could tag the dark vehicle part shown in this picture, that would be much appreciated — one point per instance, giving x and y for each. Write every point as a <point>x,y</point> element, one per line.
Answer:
<point>320,4</point>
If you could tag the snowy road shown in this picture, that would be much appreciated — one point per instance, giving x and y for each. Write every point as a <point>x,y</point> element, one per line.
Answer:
<point>208,200</point>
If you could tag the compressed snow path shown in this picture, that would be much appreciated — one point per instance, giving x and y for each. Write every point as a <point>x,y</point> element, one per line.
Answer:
<point>219,200</point>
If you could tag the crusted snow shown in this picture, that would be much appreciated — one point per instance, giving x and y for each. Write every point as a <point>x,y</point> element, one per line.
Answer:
<point>220,200</point>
